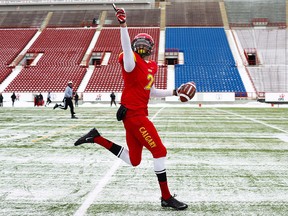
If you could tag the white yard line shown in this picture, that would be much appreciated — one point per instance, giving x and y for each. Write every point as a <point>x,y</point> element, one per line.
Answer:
<point>153,117</point>
<point>103,182</point>
<point>98,188</point>
<point>254,120</point>
<point>282,137</point>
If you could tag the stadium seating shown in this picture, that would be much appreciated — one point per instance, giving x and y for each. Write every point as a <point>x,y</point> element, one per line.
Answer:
<point>270,43</point>
<point>271,46</point>
<point>210,78</point>
<point>22,19</point>
<point>63,50</point>
<point>11,43</point>
<point>48,78</point>
<point>161,77</point>
<point>108,78</point>
<point>70,18</point>
<point>242,13</point>
<point>193,14</point>
<point>148,18</point>
<point>5,71</point>
<point>206,50</point>
<point>270,78</point>
<point>207,59</point>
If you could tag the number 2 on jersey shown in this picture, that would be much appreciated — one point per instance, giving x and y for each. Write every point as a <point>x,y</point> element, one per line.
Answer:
<point>150,78</point>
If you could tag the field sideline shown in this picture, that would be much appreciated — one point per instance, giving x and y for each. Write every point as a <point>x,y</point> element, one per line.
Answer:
<point>221,161</point>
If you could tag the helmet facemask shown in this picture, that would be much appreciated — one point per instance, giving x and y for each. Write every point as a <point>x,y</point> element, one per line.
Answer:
<point>143,45</point>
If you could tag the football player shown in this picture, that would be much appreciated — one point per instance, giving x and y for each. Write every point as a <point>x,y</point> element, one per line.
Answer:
<point>139,75</point>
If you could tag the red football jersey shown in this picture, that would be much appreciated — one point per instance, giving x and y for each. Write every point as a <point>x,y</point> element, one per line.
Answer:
<point>137,85</point>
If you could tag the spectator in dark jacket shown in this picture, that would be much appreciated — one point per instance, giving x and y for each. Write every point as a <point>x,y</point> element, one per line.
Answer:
<point>76,98</point>
<point>113,97</point>
<point>1,100</point>
<point>13,98</point>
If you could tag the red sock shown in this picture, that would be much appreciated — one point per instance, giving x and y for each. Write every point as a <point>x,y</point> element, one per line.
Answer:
<point>164,190</point>
<point>103,142</point>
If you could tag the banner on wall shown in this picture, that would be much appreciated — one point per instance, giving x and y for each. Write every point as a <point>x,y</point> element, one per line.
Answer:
<point>276,97</point>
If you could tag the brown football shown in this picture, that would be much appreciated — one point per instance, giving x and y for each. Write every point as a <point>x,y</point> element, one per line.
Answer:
<point>187,91</point>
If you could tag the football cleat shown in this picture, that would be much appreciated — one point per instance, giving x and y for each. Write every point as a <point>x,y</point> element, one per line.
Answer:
<point>173,203</point>
<point>87,138</point>
<point>56,105</point>
<point>74,117</point>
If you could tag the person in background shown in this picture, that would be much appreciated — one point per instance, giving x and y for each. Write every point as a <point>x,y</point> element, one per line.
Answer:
<point>13,98</point>
<point>36,100</point>
<point>1,99</point>
<point>139,76</point>
<point>76,98</point>
<point>113,97</point>
<point>94,21</point>
<point>48,99</point>
<point>41,99</point>
<point>67,101</point>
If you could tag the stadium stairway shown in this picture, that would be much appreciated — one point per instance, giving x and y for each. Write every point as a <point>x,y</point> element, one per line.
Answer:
<point>234,46</point>
<point>85,60</point>
<point>10,77</point>
<point>17,68</point>
<point>46,20</point>
<point>86,79</point>
<point>24,51</point>
<point>224,15</point>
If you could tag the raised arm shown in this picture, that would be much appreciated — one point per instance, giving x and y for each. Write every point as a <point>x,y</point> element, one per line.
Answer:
<point>128,58</point>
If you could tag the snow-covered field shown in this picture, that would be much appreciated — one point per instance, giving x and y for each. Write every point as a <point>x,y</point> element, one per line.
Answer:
<point>221,161</point>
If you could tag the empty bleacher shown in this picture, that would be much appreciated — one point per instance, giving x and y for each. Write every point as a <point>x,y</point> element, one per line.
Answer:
<point>270,78</point>
<point>210,78</point>
<point>108,77</point>
<point>193,14</point>
<point>147,18</point>
<point>161,77</point>
<point>11,43</point>
<point>109,40</point>
<point>22,19</point>
<point>48,78</point>
<point>207,59</point>
<point>242,12</point>
<point>5,72</point>
<point>271,46</point>
<point>204,46</point>
<point>73,18</point>
<point>63,50</point>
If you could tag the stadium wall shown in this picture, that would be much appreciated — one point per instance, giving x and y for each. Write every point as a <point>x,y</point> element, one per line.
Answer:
<point>98,97</point>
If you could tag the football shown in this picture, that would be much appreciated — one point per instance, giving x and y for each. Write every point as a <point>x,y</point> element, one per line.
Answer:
<point>186,91</point>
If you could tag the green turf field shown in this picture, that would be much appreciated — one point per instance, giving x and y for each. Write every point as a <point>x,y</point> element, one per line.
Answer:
<point>221,161</point>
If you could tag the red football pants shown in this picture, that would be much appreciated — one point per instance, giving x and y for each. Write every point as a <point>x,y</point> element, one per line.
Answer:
<point>140,132</point>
